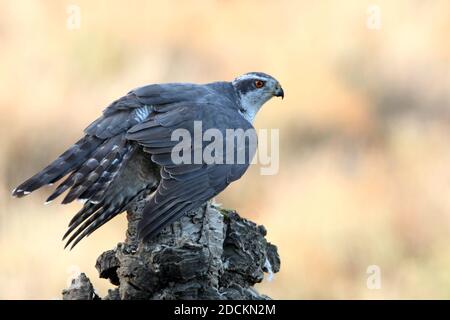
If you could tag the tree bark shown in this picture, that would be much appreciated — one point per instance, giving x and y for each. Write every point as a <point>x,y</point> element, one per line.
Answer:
<point>210,253</point>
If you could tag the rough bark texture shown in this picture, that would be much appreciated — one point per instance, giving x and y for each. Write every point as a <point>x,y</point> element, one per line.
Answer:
<point>210,253</point>
<point>80,289</point>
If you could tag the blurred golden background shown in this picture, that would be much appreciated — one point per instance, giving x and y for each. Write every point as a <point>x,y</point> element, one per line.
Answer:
<point>364,131</point>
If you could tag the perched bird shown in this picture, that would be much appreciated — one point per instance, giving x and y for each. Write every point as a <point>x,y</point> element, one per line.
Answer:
<point>128,150</point>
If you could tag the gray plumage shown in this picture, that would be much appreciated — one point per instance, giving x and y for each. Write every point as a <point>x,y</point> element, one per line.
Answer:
<point>128,150</point>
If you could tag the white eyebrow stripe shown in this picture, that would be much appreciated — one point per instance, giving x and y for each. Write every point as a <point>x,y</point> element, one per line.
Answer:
<point>249,76</point>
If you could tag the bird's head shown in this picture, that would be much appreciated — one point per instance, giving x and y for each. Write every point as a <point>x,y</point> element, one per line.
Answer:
<point>254,89</point>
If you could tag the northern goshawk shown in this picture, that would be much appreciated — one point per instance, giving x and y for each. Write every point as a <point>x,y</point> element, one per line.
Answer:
<point>129,149</point>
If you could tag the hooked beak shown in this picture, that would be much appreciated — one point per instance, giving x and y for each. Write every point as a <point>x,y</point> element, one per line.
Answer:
<point>279,92</point>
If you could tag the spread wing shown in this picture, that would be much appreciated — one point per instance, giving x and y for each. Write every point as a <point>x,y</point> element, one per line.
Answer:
<point>186,186</point>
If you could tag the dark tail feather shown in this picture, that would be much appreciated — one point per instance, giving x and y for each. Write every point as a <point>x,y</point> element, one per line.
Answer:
<point>92,217</point>
<point>83,224</point>
<point>89,171</point>
<point>90,178</point>
<point>95,192</point>
<point>64,164</point>
<point>134,177</point>
<point>88,209</point>
<point>93,223</point>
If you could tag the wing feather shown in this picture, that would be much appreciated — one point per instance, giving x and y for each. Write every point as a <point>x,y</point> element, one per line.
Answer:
<point>184,187</point>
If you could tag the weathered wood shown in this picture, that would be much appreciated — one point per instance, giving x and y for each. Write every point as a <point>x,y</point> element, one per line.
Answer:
<point>210,253</point>
<point>80,289</point>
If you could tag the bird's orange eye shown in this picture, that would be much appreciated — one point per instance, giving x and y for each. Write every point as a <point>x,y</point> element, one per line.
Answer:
<point>259,84</point>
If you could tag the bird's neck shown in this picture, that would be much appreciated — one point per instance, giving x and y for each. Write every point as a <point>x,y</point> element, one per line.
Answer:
<point>249,107</point>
